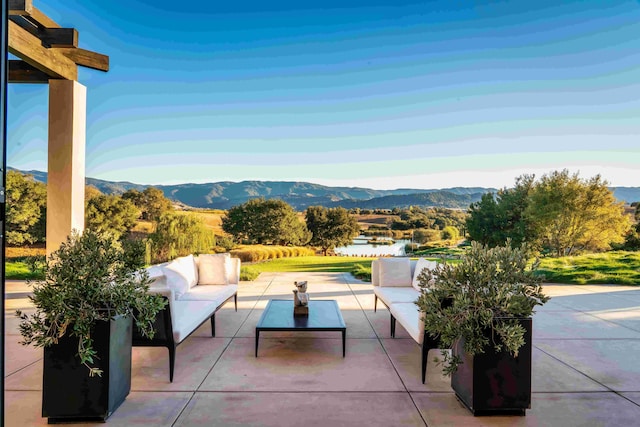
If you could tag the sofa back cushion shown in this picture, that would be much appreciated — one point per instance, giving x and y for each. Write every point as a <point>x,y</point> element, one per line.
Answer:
<point>214,269</point>
<point>394,272</point>
<point>420,265</point>
<point>181,274</point>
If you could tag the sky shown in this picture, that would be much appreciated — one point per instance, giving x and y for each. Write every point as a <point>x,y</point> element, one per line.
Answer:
<point>381,94</point>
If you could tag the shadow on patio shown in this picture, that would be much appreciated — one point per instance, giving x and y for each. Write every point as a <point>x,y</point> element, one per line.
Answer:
<point>584,366</point>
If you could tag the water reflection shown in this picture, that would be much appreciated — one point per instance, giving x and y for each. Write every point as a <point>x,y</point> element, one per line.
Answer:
<point>360,247</point>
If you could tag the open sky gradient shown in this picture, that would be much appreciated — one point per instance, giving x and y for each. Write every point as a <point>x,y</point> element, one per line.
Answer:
<point>379,93</point>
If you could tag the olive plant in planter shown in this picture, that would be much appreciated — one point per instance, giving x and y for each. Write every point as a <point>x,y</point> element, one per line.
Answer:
<point>485,331</point>
<point>84,312</point>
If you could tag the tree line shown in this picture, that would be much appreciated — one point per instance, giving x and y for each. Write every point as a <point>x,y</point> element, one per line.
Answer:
<point>274,221</point>
<point>172,233</point>
<point>560,214</point>
<point>257,221</point>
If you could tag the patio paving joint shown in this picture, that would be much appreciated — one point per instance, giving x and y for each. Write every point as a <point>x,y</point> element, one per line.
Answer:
<point>389,357</point>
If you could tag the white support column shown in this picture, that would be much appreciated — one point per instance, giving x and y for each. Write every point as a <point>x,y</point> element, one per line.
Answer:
<point>66,175</point>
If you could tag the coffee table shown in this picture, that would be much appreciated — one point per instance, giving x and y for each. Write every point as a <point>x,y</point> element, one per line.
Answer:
<point>324,315</point>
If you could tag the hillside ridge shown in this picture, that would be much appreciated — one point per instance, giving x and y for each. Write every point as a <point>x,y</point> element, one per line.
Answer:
<point>300,195</point>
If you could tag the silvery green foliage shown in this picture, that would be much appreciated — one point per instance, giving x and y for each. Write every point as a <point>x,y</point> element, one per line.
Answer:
<point>485,292</point>
<point>90,278</point>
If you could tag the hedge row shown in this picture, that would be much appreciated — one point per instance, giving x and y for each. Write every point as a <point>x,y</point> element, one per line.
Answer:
<point>257,253</point>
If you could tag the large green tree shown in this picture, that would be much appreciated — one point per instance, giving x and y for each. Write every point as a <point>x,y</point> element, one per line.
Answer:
<point>260,221</point>
<point>179,234</point>
<point>151,202</point>
<point>331,227</point>
<point>571,215</point>
<point>498,217</point>
<point>110,213</point>
<point>26,209</point>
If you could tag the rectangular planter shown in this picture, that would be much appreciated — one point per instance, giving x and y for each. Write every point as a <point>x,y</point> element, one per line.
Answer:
<point>69,394</point>
<point>495,382</point>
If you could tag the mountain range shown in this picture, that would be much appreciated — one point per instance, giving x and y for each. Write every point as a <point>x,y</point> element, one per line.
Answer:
<point>300,195</point>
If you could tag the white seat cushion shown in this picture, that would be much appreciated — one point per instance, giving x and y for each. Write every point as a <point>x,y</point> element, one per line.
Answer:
<point>214,269</point>
<point>394,272</point>
<point>181,274</point>
<point>217,293</point>
<point>186,316</point>
<point>408,315</point>
<point>420,265</point>
<point>396,294</point>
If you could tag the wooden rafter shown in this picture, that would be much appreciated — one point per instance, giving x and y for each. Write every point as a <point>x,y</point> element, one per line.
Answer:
<point>22,72</point>
<point>28,47</point>
<point>43,45</point>
<point>50,37</point>
<point>20,7</point>
<point>31,13</point>
<point>87,58</point>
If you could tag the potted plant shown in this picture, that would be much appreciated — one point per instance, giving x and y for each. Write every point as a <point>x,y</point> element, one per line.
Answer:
<point>84,311</point>
<point>485,329</point>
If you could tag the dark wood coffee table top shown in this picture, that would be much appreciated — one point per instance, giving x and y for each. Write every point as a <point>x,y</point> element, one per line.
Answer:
<point>324,315</point>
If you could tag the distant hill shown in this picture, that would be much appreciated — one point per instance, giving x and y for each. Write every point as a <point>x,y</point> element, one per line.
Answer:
<point>627,194</point>
<point>300,195</point>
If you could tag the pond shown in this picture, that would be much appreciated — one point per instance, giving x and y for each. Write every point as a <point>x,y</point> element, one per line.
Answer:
<point>360,247</point>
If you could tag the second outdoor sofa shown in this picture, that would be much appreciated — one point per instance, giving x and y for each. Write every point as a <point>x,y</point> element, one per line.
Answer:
<point>196,288</point>
<point>395,283</point>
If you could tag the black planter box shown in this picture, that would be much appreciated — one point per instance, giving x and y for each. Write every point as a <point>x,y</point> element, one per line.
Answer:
<point>495,382</point>
<point>69,394</point>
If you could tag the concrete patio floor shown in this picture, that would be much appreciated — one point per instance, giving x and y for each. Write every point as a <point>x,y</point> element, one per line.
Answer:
<point>585,366</point>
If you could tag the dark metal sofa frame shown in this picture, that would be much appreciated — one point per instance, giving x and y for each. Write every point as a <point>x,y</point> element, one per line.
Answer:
<point>163,336</point>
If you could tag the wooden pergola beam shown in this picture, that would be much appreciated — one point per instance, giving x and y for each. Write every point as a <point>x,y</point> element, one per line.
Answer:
<point>50,37</point>
<point>60,45</point>
<point>20,7</point>
<point>43,20</point>
<point>21,72</point>
<point>59,37</point>
<point>87,58</point>
<point>29,48</point>
<point>34,15</point>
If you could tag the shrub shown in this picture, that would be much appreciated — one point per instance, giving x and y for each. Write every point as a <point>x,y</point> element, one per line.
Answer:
<point>450,233</point>
<point>248,273</point>
<point>424,235</point>
<point>226,242</point>
<point>256,253</point>
<point>90,278</point>
<point>362,272</point>
<point>488,290</point>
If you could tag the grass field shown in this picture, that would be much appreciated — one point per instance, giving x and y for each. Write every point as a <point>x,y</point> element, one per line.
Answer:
<point>360,267</point>
<point>617,267</point>
<point>18,261</point>
<point>331,264</point>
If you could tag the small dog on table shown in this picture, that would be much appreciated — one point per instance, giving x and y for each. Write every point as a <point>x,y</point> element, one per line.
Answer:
<point>300,299</point>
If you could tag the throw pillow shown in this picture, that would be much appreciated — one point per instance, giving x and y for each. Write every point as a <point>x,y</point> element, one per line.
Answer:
<point>394,271</point>
<point>214,269</point>
<point>420,265</point>
<point>181,274</point>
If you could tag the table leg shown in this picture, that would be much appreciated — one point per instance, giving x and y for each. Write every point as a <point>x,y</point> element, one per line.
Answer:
<point>257,337</point>
<point>344,345</point>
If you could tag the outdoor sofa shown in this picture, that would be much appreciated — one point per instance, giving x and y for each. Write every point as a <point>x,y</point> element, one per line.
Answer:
<point>196,288</point>
<point>395,283</point>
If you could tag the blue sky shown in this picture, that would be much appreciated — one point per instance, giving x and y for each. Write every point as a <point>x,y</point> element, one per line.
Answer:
<point>379,94</point>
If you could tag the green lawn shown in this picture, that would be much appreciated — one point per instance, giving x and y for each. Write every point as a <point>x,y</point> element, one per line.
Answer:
<point>617,267</point>
<point>310,263</point>
<point>19,271</point>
